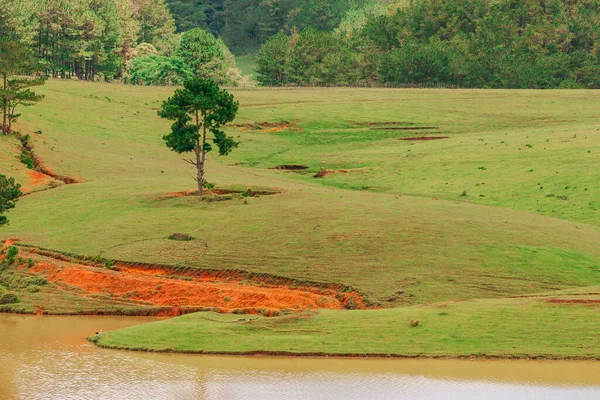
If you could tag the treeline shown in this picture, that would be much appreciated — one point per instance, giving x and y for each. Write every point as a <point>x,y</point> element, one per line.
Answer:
<point>129,40</point>
<point>245,24</point>
<point>88,39</point>
<point>477,43</point>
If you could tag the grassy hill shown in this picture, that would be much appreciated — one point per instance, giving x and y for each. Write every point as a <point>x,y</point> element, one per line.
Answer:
<point>507,204</point>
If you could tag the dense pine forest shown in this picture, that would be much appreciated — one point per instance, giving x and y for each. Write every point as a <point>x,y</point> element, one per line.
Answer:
<point>452,43</point>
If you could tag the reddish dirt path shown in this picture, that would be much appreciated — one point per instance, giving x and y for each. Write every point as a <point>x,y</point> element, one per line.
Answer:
<point>159,286</point>
<point>36,180</point>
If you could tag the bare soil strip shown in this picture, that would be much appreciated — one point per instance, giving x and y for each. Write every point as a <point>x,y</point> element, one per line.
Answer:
<point>179,290</point>
<point>425,138</point>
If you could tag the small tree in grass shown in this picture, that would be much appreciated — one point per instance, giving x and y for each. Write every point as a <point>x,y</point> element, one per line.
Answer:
<point>198,109</point>
<point>15,58</point>
<point>9,194</point>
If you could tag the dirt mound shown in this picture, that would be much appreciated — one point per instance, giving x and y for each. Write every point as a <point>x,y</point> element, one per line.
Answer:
<point>221,192</point>
<point>291,167</point>
<point>224,291</point>
<point>425,138</point>
<point>324,172</point>
<point>267,126</point>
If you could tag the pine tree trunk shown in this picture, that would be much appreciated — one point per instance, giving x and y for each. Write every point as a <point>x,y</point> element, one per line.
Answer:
<point>5,108</point>
<point>200,153</point>
<point>203,161</point>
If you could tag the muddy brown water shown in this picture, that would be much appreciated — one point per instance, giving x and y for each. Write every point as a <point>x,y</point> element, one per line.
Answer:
<point>48,358</point>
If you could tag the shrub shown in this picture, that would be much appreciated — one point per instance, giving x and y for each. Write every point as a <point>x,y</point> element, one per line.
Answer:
<point>351,304</point>
<point>157,70</point>
<point>33,289</point>
<point>38,281</point>
<point>181,237</point>
<point>9,298</point>
<point>11,255</point>
<point>26,159</point>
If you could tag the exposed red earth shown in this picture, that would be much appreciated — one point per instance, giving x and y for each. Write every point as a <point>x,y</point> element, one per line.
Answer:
<point>185,291</point>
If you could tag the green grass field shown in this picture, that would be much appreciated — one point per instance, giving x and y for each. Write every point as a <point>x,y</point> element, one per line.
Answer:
<point>507,205</point>
<point>524,327</point>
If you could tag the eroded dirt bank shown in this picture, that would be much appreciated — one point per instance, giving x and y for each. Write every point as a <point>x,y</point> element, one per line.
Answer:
<point>174,291</point>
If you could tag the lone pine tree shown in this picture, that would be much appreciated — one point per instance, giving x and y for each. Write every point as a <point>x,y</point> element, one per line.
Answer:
<point>198,109</point>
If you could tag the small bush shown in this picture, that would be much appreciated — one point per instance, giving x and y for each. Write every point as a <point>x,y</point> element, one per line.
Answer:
<point>181,237</point>
<point>38,281</point>
<point>208,185</point>
<point>248,193</point>
<point>9,298</point>
<point>26,159</point>
<point>33,289</point>
<point>11,255</point>
<point>351,304</point>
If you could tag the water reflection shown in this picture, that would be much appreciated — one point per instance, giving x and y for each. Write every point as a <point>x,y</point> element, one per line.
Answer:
<point>47,358</point>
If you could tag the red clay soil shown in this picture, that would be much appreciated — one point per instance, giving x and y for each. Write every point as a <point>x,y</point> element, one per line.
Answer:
<point>161,287</point>
<point>324,172</point>
<point>45,170</point>
<point>36,180</point>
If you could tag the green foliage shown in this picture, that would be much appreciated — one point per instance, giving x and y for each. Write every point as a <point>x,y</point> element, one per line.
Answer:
<point>33,289</point>
<point>158,70</point>
<point>481,43</point>
<point>417,63</point>
<point>499,44</point>
<point>26,159</point>
<point>9,298</point>
<point>201,104</point>
<point>87,39</point>
<point>246,24</point>
<point>9,194</point>
<point>202,53</point>
<point>11,255</point>
<point>316,58</point>
<point>15,59</point>
<point>271,61</point>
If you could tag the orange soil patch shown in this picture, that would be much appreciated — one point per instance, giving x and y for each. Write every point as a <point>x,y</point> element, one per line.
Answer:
<point>192,290</point>
<point>45,170</point>
<point>36,180</point>
<point>324,172</point>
